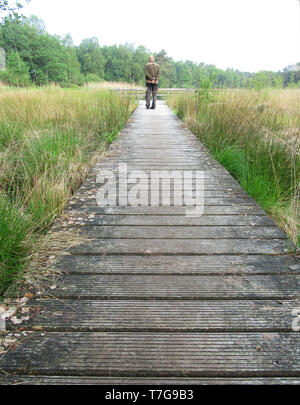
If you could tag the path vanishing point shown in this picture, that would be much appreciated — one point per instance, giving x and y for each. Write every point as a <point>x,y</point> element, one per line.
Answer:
<point>152,296</point>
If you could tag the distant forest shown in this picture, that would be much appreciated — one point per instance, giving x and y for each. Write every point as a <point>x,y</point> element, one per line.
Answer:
<point>58,60</point>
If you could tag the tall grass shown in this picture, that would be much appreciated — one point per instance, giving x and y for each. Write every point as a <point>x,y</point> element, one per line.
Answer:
<point>48,139</point>
<point>256,136</point>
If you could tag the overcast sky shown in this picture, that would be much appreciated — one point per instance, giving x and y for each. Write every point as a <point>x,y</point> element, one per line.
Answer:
<point>249,35</point>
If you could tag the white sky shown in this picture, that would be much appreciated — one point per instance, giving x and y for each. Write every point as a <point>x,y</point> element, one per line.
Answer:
<point>249,35</point>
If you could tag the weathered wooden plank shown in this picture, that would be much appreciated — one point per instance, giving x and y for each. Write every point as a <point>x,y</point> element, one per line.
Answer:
<point>148,210</point>
<point>179,201</point>
<point>183,232</point>
<point>184,316</point>
<point>154,160</point>
<point>212,180</point>
<point>216,181</point>
<point>159,171</point>
<point>173,155</point>
<point>215,287</point>
<point>153,170</point>
<point>191,192</point>
<point>170,220</point>
<point>167,140</point>
<point>212,188</point>
<point>228,264</point>
<point>115,381</point>
<point>157,354</point>
<point>213,168</point>
<point>181,246</point>
<point>214,309</point>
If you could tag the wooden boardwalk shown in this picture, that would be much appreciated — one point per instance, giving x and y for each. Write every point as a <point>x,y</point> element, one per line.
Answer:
<point>155,296</point>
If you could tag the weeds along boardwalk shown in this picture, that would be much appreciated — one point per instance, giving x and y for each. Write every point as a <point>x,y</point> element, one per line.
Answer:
<point>152,295</point>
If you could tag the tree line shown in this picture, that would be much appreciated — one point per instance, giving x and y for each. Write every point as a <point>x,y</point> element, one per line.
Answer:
<point>53,59</point>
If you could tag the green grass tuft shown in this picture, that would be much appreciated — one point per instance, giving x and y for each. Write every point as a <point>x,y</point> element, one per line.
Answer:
<point>257,139</point>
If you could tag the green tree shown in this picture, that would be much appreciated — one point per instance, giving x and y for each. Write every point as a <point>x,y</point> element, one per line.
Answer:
<point>18,70</point>
<point>7,5</point>
<point>167,67</point>
<point>11,8</point>
<point>261,80</point>
<point>71,62</point>
<point>278,81</point>
<point>118,63</point>
<point>91,58</point>
<point>53,58</point>
<point>57,59</point>
<point>184,74</point>
<point>140,58</point>
<point>37,23</point>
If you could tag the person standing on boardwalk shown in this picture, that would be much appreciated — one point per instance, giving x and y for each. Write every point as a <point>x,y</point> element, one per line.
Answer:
<point>152,72</point>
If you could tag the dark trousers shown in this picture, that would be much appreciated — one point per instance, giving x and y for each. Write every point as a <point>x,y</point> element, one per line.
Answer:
<point>151,87</point>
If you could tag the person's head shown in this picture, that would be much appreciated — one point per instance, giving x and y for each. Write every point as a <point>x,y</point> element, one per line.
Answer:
<point>151,59</point>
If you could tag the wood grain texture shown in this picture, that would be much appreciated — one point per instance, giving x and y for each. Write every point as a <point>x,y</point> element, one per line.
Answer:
<point>205,265</point>
<point>183,232</point>
<point>166,211</point>
<point>150,295</point>
<point>82,218</point>
<point>160,315</point>
<point>182,246</point>
<point>114,381</point>
<point>177,287</point>
<point>157,354</point>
